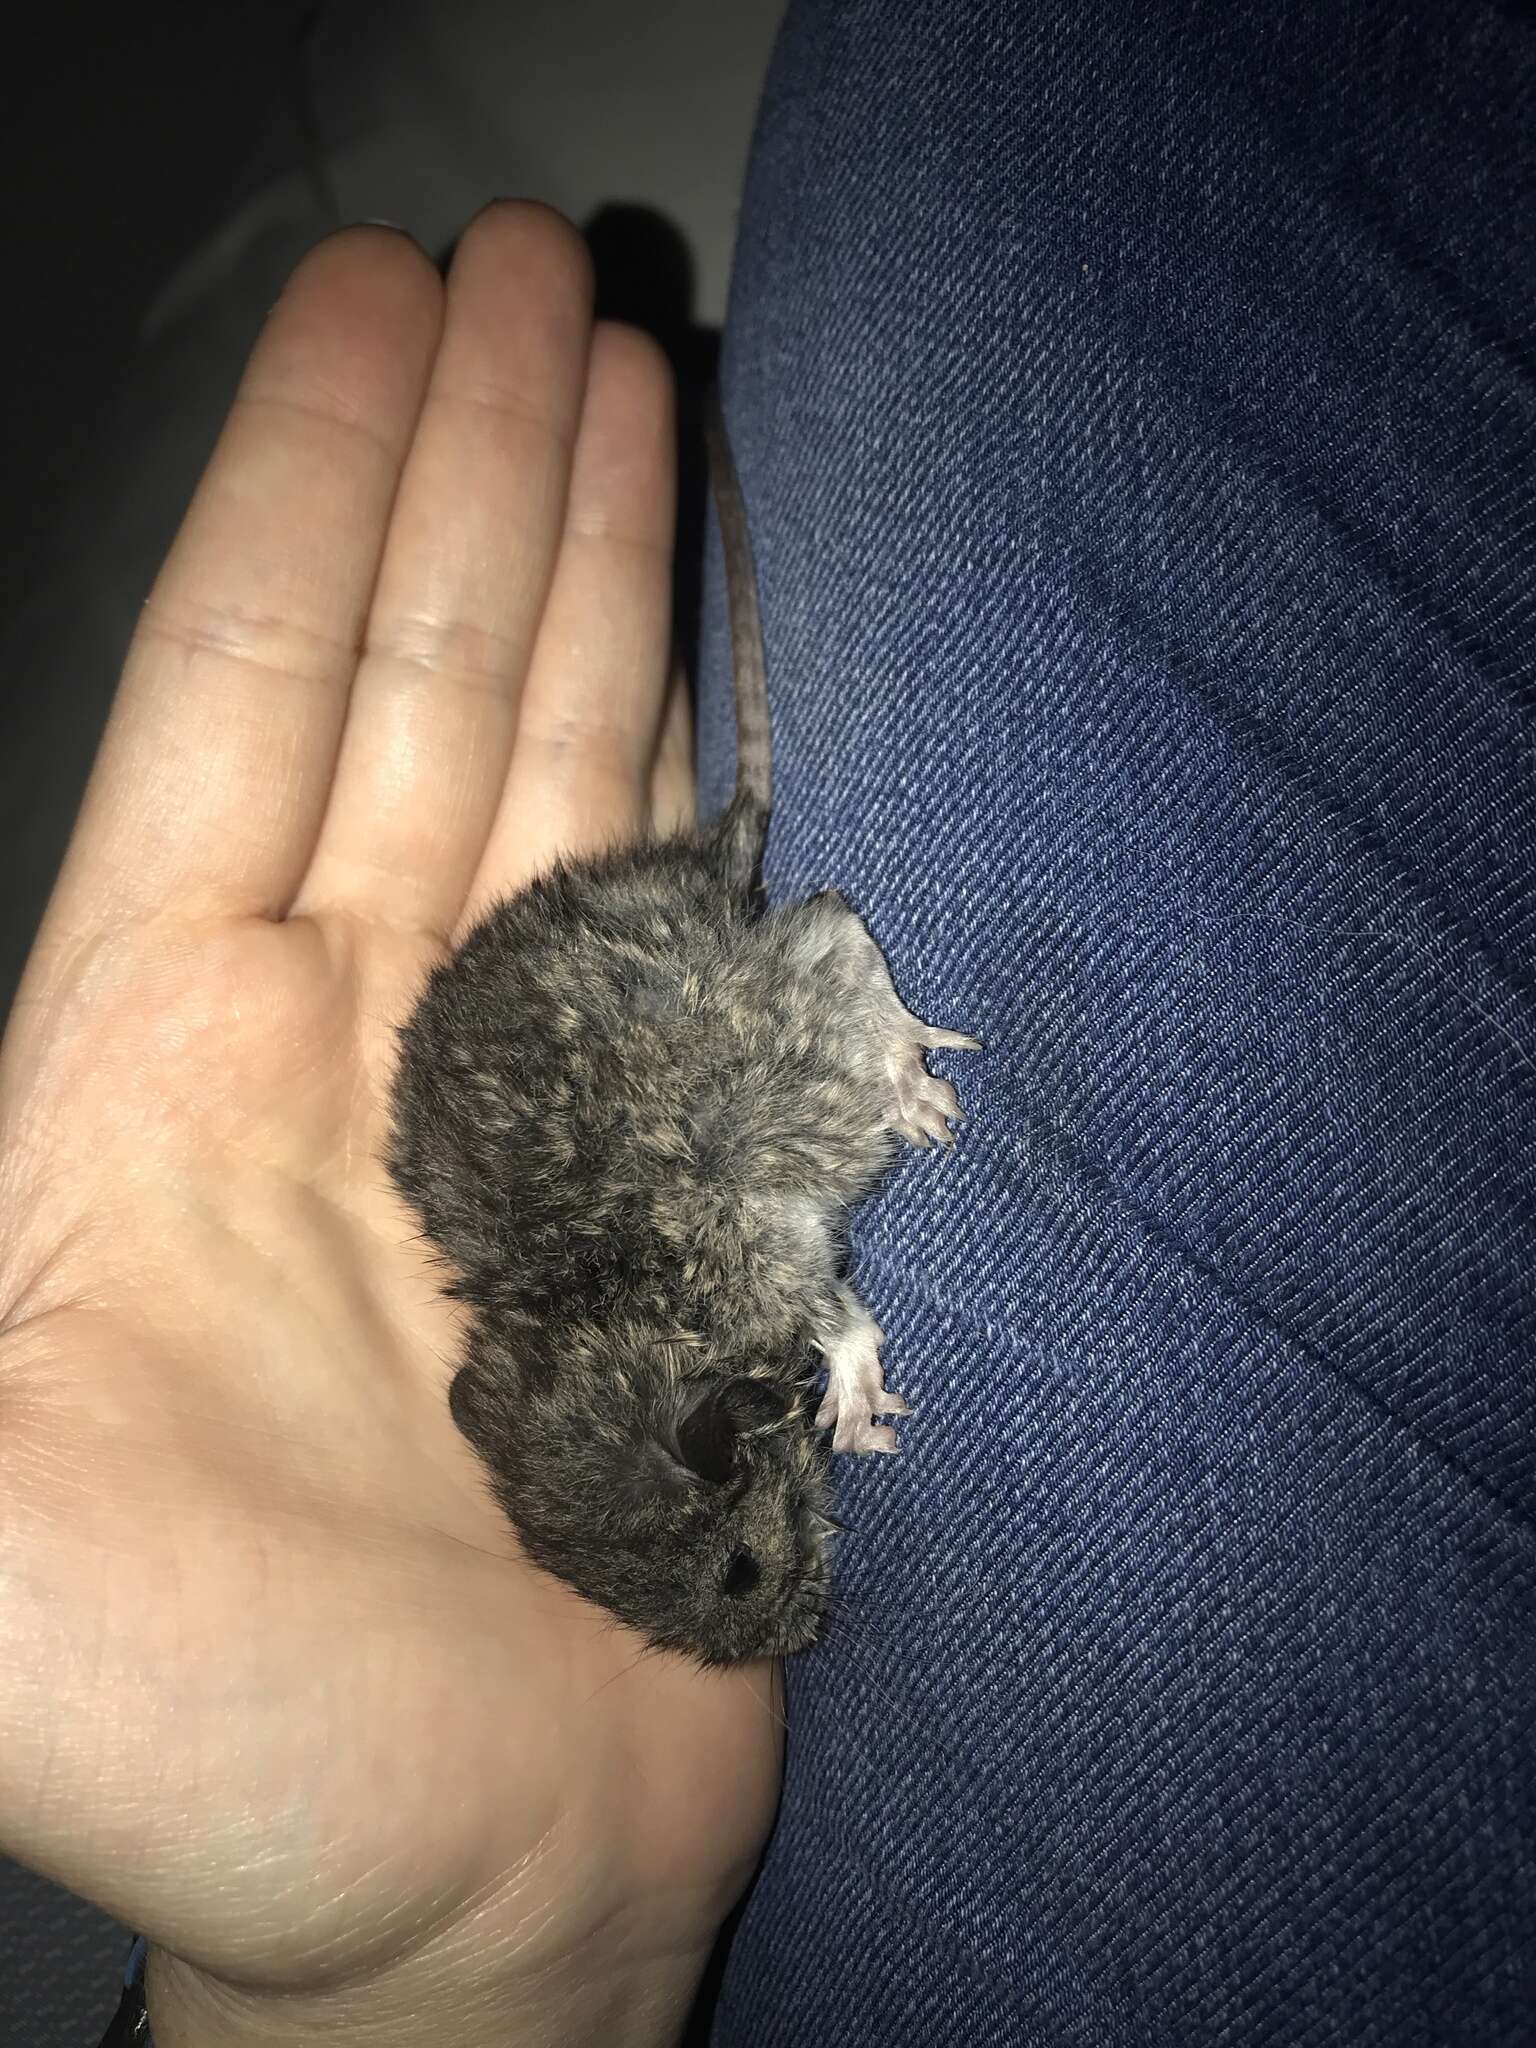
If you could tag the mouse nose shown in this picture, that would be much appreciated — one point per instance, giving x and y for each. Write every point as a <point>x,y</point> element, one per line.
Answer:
<point>742,1577</point>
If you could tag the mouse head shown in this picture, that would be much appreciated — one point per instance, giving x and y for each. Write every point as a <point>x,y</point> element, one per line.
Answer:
<point>689,1503</point>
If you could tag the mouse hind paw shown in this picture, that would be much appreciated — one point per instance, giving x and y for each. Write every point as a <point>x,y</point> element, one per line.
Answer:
<point>925,1107</point>
<point>921,1107</point>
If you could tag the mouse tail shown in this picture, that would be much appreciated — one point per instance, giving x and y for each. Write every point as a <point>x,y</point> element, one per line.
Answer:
<point>743,826</point>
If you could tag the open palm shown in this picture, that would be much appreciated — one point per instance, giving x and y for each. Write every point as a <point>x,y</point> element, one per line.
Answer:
<point>274,1683</point>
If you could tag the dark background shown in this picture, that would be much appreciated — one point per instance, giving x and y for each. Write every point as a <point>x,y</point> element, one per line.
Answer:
<point>127,138</point>
<point>126,146</point>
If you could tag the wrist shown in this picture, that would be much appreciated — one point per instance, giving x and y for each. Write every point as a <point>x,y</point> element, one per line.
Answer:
<point>638,2006</point>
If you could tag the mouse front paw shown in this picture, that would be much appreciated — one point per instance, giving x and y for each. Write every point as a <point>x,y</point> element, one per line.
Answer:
<point>856,1389</point>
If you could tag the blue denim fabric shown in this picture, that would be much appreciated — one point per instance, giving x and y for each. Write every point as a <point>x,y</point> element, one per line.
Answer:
<point>1136,412</point>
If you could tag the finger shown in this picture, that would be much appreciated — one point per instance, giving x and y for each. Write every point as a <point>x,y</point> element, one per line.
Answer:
<point>466,571</point>
<point>212,778</point>
<point>591,712</point>
<point>673,801</point>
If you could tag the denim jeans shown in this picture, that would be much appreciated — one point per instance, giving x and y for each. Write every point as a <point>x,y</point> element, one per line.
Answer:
<point>1135,407</point>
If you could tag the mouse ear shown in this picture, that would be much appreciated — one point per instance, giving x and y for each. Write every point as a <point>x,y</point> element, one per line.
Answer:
<point>717,1414</point>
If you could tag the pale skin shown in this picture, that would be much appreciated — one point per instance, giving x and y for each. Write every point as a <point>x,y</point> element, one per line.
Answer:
<point>275,1686</point>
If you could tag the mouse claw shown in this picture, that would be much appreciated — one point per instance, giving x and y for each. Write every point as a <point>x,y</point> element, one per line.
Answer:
<point>933,1035</point>
<point>925,1106</point>
<point>865,1438</point>
<point>833,1414</point>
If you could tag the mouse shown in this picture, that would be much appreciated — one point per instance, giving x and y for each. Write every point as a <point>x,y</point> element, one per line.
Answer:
<point>632,1111</point>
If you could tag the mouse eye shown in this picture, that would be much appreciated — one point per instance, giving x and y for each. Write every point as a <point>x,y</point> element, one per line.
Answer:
<point>718,1415</point>
<point>741,1576</point>
<point>706,1441</point>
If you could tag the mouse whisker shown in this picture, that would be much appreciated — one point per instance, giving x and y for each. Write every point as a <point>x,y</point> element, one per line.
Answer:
<point>766,1700</point>
<point>855,1649</point>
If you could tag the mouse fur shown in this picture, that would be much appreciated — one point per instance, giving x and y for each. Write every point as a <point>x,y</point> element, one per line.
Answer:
<point>632,1111</point>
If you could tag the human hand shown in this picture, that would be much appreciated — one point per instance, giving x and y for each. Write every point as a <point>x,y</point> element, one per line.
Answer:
<point>275,1686</point>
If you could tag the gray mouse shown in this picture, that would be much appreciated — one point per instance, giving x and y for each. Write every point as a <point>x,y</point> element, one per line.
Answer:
<point>632,1111</point>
